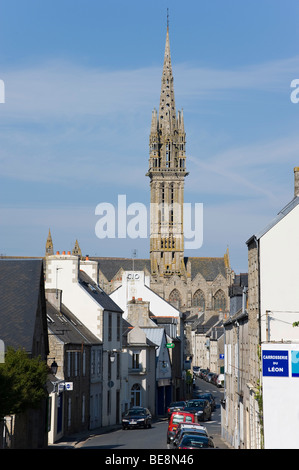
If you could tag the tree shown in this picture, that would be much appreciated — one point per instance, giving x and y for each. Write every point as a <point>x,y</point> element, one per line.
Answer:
<point>22,382</point>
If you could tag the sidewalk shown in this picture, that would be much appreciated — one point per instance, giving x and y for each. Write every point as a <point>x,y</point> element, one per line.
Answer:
<point>74,441</point>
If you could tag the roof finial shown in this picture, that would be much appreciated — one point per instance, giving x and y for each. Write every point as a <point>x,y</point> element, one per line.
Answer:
<point>167,18</point>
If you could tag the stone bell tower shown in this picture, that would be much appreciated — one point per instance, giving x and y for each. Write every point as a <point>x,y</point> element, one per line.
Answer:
<point>167,171</point>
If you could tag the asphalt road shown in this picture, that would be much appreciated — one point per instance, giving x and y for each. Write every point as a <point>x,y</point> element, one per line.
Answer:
<point>155,437</point>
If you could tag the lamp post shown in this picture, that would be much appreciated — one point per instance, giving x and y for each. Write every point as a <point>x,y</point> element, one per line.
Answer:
<point>54,367</point>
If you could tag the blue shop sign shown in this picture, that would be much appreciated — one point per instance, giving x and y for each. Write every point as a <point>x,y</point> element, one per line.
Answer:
<point>275,363</point>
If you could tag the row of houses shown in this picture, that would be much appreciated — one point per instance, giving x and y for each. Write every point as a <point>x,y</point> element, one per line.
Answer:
<point>106,353</point>
<point>260,407</point>
<point>256,342</point>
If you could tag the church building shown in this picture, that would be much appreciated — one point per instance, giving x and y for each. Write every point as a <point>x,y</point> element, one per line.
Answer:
<point>194,285</point>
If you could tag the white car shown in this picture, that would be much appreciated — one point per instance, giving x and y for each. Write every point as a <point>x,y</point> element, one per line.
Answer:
<point>220,380</point>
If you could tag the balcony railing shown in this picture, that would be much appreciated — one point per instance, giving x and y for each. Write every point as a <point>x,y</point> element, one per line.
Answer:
<point>137,370</point>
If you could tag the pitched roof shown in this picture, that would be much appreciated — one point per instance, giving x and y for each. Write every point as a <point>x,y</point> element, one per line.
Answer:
<point>205,327</point>
<point>208,267</point>
<point>110,266</point>
<point>66,326</point>
<point>97,293</point>
<point>20,288</point>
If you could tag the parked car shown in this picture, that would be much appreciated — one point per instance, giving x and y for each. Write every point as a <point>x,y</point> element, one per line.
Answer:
<point>200,407</point>
<point>137,417</point>
<point>195,441</point>
<point>196,370</point>
<point>220,380</point>
<point>209,377</point>
<point>175,419</point>
<point>203,373</point>
<point>209,396</point>
<point>214,379</point>
<point>175,406</point>
<point>188,429</point>
<point>191,426</point>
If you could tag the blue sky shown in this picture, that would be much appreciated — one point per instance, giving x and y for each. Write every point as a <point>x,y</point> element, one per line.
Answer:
<point>81,80</point>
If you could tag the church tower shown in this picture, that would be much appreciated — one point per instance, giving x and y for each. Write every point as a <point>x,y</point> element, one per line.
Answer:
<point>49,245</point>
<point>167,171</point>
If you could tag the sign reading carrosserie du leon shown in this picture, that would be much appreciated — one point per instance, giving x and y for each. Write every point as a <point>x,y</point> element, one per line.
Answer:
<point>275,363</point>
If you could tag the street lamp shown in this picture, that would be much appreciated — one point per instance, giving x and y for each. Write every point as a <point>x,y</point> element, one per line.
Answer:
<point>54,367</point>
<point>112,354</point>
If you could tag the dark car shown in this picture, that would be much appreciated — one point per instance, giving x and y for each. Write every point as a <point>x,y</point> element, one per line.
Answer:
<point>137,417</point>
<point>175,406</point>
<point>208,396</point>
<point>200,407</point>
<point>203,373</point>
<point>209,377</point>
<point>197,429</point>
<point>195,441</point>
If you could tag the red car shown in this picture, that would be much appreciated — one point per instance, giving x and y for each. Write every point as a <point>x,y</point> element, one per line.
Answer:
<point>175,419</point>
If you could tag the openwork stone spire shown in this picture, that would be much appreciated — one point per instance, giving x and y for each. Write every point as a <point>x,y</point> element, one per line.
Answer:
<point>167,171</point>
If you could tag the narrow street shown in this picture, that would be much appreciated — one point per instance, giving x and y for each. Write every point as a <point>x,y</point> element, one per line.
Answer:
<point>155,438</point>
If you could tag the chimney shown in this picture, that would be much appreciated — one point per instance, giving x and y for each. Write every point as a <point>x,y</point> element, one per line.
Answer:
<point>296,181</point>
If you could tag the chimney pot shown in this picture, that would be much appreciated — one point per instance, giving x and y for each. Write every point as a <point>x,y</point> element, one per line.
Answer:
<point>57,253</point>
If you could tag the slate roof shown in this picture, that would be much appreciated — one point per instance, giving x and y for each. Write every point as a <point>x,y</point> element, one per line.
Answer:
<point>240,281</point>
<point>21,284</point>
<point>97,293</point>
<point>205,327</point>
<point>126,327</point>
<point>65,325</point>
<point>208,267</point>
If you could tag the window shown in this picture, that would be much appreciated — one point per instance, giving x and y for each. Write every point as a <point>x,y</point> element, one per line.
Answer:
<point>83,409</point>
<point>175,298</point>
<point>110,327</point>
<point>99,362</point>
<point>199,300</point>
<point>84,363</point>
<point>136,395</point>
<point>69,413</point>
<point>219,300</point>
<point>118,328</point>
<point>109,367</point>
<point>135,360</point>
<point>93,362</point>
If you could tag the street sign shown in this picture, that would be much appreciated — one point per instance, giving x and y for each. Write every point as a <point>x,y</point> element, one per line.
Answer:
<point>275,363</point>
<point>170,345</point>
<point>68,386</point>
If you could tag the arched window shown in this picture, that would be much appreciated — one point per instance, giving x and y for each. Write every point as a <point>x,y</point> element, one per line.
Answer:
<point>136,395</point>
<point>175,298</point>
<point>219,300</point>
<point>199,300</point>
